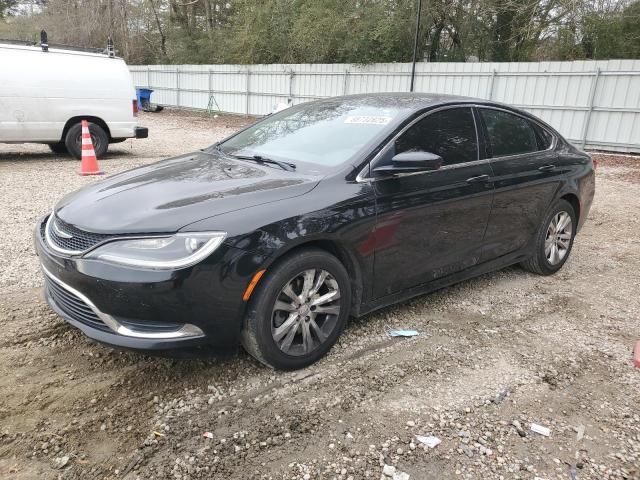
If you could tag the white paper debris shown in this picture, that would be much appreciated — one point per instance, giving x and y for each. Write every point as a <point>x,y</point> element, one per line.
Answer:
<point>429,441</point>
<point>400,476</point>
<point>403,333</point>
<point>540,429</point>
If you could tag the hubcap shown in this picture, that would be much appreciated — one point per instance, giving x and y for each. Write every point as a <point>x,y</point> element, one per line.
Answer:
<point>94,140</point>
<point>558,240</point>
<point>305,312</point>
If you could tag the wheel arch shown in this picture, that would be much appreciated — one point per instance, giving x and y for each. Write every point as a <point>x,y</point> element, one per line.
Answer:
<point>573,199</point>
<point>77,119</point>
<point>339,251</point>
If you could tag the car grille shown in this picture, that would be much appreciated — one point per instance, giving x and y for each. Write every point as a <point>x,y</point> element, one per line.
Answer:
<point>73,306</point>
<point>79,240</point>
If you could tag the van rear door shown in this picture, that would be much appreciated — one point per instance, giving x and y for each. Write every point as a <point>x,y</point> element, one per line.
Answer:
<point>26,113</point>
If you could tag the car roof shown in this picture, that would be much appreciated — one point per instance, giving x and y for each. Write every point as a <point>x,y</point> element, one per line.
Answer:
<point>403,100</point>
<point>414,102</point>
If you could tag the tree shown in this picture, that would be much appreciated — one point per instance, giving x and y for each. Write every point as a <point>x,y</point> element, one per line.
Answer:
<point>328,31</point>
<point>7,7</point>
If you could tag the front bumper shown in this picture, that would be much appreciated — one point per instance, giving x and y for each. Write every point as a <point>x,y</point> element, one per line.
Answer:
<point>200,306</point>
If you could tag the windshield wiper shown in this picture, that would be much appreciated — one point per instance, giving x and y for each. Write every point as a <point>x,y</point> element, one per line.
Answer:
<point>260,159</point>
<point>255,158</point>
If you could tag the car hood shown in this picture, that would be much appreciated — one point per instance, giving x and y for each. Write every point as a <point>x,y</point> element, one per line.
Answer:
<point>166,196</point>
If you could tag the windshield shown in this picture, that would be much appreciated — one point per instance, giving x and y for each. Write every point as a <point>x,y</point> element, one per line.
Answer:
<point>325,133</point>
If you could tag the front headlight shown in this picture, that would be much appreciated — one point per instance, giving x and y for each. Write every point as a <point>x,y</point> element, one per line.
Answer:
<point>160,253</point>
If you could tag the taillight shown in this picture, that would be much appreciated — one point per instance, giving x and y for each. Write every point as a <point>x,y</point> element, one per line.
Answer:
<point>135,108</point>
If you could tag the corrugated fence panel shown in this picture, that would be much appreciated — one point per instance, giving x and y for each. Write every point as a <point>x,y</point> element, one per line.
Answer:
<point>594,104</point>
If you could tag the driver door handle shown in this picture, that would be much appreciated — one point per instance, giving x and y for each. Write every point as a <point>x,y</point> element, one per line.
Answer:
<point>478,179</point>
<point>547,168</point>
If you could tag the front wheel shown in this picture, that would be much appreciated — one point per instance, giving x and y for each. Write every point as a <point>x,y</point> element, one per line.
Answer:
<point>554,240</point>
<point>298,311</point>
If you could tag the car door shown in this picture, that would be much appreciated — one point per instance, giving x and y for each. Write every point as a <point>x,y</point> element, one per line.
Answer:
<point>431,224</point>
<point>526,177</point>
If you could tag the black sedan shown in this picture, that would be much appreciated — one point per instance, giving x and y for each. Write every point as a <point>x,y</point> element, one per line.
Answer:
<point>275,236</point>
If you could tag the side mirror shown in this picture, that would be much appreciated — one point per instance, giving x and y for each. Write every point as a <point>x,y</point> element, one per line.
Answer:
<point>408,162</point>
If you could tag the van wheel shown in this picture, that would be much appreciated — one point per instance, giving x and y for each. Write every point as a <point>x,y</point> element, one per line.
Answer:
<point>59,147</point>
<point>99,137</point>
<point>298,310</point>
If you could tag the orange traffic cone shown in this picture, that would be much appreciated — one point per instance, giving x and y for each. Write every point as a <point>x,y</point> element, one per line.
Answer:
<point>89,162</point>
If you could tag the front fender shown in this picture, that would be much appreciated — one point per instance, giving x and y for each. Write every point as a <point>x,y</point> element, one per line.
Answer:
<point>340,218</point>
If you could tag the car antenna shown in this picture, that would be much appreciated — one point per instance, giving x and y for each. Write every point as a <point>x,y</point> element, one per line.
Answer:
<point>43,41</point>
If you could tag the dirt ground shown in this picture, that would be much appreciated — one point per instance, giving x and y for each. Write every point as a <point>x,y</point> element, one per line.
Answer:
<point>508,347</point>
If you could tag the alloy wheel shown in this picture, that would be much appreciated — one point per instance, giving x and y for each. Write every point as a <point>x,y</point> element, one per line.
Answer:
<point>558,239</point>
<point>306,311</point>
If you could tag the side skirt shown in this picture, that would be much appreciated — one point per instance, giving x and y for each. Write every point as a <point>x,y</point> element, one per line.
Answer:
<point>404,295</point>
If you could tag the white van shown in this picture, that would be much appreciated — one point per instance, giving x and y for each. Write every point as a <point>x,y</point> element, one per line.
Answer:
<point>45,93</point>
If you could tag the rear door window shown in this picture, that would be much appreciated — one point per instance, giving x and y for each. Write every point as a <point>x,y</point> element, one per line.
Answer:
<point>509,134</point>
<point>450,133</point>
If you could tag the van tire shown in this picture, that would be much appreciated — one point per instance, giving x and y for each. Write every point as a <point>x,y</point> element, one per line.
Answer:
<point>73,140</point>
<point>59,148</point>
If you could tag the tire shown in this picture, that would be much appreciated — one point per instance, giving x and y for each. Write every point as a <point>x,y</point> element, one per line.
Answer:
<point>59,148</point>
<point>540,262</point>
<point>73,140</point>
<point>266,331</point>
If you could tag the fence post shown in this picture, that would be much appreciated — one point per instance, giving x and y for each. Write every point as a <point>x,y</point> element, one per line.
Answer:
<point>148,77</point>
<point>493,77</point>
<point>292,75</point>
<point>592,97</point>
<point>248,91</point>
<point>210,87</point>
<point>345,82</point>
<point>178,85</point>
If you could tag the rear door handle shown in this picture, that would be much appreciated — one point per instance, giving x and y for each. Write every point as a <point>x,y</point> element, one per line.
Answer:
<point>547,168</point>
<point>478,179</point>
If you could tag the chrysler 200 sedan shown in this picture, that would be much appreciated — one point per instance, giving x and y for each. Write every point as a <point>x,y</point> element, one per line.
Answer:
<point>275,236</point>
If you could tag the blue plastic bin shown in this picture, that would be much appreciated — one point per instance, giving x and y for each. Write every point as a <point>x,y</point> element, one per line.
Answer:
<point>144,96</point>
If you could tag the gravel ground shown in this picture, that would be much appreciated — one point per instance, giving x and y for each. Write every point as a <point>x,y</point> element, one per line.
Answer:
<point>495,355</point>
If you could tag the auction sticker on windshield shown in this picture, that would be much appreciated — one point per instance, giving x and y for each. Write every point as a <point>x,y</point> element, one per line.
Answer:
<point>368,119</point>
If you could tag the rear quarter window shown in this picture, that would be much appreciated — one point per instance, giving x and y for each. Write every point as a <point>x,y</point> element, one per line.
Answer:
<point>544,138</point>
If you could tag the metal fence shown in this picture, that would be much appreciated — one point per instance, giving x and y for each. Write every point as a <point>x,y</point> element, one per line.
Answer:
<point>594,104</point>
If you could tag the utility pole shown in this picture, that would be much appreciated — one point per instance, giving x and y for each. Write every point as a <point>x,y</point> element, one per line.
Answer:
<point>415,45</point>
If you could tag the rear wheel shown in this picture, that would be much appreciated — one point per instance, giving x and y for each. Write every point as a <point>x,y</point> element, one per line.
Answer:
<point>299,310</point>
<point>59,147</point>
<point>73,140</point>
<point>554,240</point>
